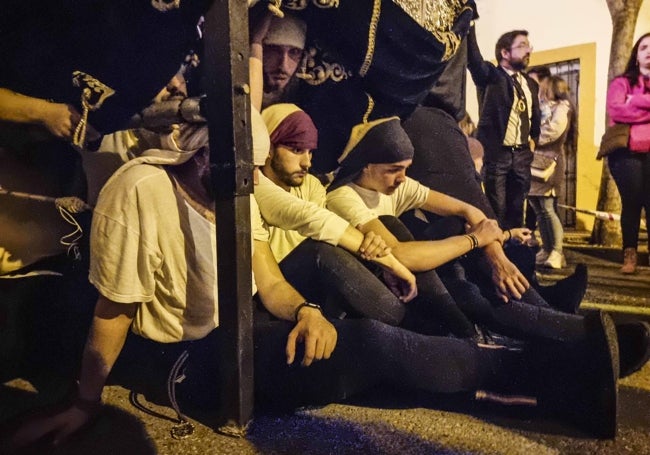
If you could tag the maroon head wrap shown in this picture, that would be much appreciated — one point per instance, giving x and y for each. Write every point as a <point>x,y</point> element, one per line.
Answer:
<point>290,126</point>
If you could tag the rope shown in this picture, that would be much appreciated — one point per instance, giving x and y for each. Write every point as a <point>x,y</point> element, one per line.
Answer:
<point>184,428</point>
<point>71,240</point>
<point>66,206</point>
<point>274,6</point>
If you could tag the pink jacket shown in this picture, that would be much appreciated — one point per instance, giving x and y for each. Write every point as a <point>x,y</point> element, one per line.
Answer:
<point>626,104</point>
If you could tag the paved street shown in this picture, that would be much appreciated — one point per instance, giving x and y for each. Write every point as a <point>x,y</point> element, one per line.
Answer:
<point>387,424</point>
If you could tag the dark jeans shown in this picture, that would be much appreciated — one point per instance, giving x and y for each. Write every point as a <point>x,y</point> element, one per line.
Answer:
<point>434,310</point>
<point>339,282</point>
<point>507,182</point>
<point>631,172</point>
<point>468,280</point>
<point>529,319</point>
<point>344,286</point>
<point>368,353</point>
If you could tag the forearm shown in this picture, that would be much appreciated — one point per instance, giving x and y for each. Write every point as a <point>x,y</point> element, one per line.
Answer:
<point>278,296</point>
<point>494,252</point>
<point>106,339</point>
<point>18,108</point>
<point>444,205</point>
<point>495,255</point>
<point>351,240</point>
<point>282,300</point>
<point>640,107</point>
<point>256,75</point>
<point>420,256</point>
<point>392,264</point>
<point>479,69</point>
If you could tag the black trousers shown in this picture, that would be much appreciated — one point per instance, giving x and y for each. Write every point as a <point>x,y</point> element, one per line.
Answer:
<point>631,172</point>
<point>368,353</point>
<point>507,182</point>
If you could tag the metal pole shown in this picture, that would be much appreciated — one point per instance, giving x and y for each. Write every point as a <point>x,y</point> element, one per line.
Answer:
<point>228,113</point>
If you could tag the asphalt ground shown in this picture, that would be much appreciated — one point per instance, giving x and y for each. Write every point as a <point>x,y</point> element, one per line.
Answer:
<point>384,421</point>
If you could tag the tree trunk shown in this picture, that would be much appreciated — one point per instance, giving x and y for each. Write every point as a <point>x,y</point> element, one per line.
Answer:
<point>624,15</point>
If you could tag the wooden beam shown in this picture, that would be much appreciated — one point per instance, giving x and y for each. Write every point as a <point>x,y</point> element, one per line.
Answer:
<point>225,66</point>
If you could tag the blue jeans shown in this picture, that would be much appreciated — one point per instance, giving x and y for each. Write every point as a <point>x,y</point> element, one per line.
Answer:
<point>550,226</point>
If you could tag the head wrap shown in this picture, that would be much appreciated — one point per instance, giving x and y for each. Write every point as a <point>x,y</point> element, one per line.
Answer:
<point>290,126</point>
<point>286,31</point>
<point>261,141</point>
<point>380,141</point>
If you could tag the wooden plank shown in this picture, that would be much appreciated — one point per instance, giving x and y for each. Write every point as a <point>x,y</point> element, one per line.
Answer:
<point>226,77</point>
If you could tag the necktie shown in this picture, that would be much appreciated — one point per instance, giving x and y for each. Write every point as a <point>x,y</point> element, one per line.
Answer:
<point>522,107</point>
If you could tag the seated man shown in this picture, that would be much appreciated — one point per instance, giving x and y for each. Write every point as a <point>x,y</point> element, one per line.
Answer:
<point>372,183</point>
<point>443,161</point>
<point>292,203</point>
<point>156,280</point>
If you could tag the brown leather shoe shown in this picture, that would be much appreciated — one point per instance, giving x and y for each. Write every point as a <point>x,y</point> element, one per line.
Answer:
<point>629,261</point>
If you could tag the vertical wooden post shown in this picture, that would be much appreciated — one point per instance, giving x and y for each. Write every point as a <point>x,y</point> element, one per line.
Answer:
<point>225,66</point>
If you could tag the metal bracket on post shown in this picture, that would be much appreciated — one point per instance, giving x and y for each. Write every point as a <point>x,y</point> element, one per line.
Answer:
<point>226,76</point>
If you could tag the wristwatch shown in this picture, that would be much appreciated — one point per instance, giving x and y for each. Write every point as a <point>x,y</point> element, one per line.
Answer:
<point>308,305</point>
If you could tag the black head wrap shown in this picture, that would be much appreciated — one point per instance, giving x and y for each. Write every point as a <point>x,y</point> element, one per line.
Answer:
<point>380,141</point>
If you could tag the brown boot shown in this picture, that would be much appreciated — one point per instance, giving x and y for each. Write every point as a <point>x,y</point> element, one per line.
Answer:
<point>629,261</point>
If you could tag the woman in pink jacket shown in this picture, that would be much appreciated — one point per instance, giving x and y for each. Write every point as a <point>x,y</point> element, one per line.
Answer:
<point>628,101</point>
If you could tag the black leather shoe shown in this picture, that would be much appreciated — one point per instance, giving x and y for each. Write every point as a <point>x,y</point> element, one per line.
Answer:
<point>566,294</point>
<point>633,346</point>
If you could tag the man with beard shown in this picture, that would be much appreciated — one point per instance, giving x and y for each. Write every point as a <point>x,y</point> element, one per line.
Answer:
<point>283,46</point>
<point>310,242</point>
<point>509,122</point>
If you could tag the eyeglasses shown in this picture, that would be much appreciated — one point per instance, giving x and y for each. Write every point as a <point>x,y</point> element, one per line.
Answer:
<point>523,46</point>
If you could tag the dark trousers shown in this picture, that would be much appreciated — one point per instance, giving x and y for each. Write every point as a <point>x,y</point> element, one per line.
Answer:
<point>631,172</point>
<point>507,182</point>
<point>344,286</point>
<point>368,353</point>
<point>468,280</point>
<point>337,280</point>
<point>529,319</point>
<point>434,311</point>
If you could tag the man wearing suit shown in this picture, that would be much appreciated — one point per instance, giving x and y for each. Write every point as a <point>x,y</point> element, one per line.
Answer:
<point>509,122</point>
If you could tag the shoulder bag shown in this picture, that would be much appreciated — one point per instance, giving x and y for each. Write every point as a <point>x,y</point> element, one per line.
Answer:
<point>542,166</point>
<point>616,137</point>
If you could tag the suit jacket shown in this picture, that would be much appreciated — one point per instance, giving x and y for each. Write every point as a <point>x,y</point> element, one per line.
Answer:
<point>496,95</point>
